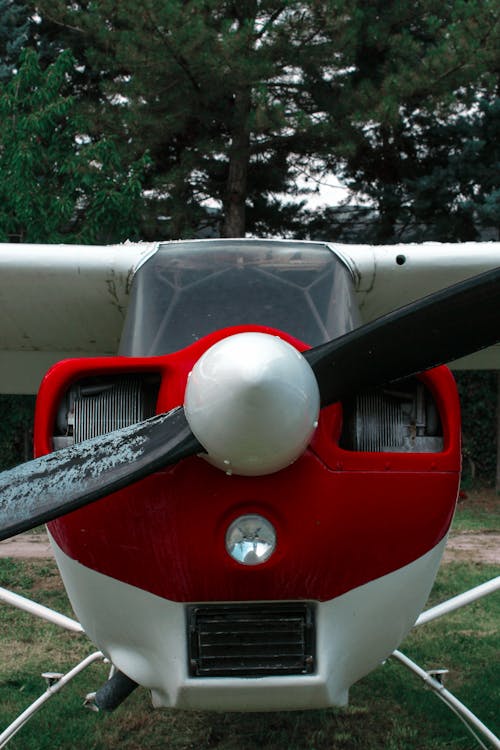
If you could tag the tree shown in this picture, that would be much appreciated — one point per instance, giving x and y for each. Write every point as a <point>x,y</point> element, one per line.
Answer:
<point>428,165</point>
<point>15,27</point>
<point>478,394</point>
<point>237,101</point>
<point>56,183</point>
<point>429,178</point>
<point>16,429</point>
<point>203,85</point>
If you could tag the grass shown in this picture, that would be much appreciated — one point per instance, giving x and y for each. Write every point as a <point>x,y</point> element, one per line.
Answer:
<point>389,709</point>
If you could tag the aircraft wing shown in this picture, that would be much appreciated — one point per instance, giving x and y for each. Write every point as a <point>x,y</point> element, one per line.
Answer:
<point>389,276</point>
<point>59,301</point>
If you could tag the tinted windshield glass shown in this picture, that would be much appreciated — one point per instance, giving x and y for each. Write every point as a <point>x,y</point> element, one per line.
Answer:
<point>189,289</point>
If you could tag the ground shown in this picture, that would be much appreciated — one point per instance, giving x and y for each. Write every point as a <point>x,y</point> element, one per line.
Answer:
<point>27,546</point>
<point>473,546</point>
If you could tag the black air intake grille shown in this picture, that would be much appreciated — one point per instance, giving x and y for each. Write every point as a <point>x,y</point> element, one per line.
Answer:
<point>251,640</point>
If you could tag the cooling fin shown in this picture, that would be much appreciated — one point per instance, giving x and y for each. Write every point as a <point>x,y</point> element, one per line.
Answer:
<point>400,418</point>
<point>96,406</point>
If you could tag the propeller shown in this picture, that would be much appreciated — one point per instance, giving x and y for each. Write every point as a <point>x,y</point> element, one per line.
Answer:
<point>51,486</point>
<point>431,331</point>
<point>438,328</point>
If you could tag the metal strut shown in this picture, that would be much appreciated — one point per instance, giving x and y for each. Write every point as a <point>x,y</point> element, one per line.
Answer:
<point>470,720</point>
<point>433,679</point>
<point>54,687</point>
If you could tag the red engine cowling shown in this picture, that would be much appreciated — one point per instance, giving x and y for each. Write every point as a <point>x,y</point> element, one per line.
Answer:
<point>375,490</point>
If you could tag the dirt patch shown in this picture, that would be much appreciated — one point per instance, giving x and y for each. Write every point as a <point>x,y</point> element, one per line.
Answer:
<point>27,546</point>
<point>473,546</point>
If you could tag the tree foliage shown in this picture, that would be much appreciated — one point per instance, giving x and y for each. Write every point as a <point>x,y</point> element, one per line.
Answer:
<point>16,429</point>
<point>429,178</point>
<point>56,182</point>
<point>237,102</point>
<point>478,396</point>
<point>15,27</point>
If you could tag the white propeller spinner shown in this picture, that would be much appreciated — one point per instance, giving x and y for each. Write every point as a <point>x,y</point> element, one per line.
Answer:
<point>252,401</point>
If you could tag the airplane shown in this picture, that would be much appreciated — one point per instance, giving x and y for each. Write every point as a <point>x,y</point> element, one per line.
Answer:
<point>247,453</point>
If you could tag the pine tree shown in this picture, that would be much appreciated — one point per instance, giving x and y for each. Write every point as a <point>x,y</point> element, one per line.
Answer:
<point>236,102</point>
<point>15,26</point>
<point>428,162</point>
<point>428,177</point>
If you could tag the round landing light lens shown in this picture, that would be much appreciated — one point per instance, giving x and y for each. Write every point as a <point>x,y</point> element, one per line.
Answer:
<point>250,540</point>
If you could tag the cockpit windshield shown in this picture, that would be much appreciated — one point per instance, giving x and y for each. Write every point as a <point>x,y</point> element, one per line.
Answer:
<point>190,289</point>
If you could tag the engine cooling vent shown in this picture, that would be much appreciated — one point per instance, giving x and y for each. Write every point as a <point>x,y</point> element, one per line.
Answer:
<point>380,423</point>
<point>402,418</point>
<point>251,640</point>
<point>100,405</point>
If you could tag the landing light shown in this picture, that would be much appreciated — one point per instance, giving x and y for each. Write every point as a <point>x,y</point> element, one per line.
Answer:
<point>251,540</point>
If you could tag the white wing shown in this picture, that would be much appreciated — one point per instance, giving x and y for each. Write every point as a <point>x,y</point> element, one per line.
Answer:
<point>59,301</point>
<point>389,276</point>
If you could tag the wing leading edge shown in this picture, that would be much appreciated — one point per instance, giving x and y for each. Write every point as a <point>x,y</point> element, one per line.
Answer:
<point>59,301</point>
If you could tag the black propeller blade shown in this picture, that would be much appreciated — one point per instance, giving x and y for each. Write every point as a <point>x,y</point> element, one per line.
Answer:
<point>433,330</point>
<point>53,485</point>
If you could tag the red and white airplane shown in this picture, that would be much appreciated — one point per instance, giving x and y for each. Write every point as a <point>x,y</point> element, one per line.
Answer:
<point>248,451</point>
